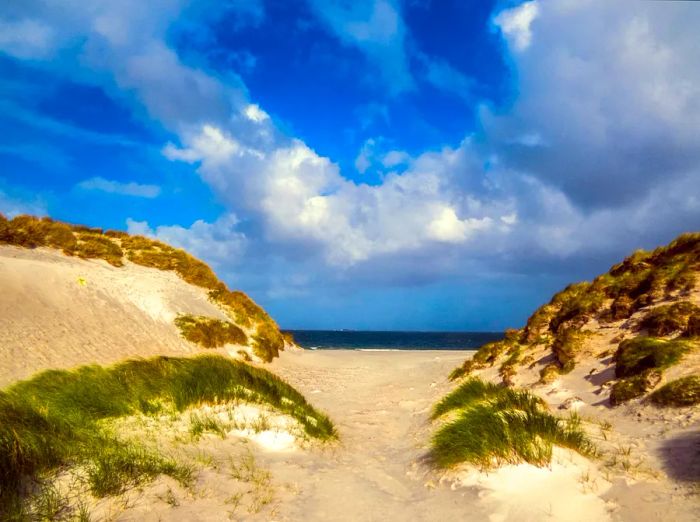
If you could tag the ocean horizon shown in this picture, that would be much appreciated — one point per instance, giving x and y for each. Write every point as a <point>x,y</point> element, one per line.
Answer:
<point>369,340</point>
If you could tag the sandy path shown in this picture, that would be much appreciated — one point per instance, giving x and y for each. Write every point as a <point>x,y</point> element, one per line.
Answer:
<point>380,402</point>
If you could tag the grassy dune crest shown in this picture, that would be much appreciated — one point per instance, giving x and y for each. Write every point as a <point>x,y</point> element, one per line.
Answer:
<point>490,425</point>
<point>115,247</point>
<point>639,284</point>
<point>53,419</point>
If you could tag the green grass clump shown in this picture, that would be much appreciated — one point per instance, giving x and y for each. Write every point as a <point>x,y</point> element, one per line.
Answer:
<point>550,373</point>
<point>638,354</point>
<point>495,425</point>
<point>268,342</point>
<point>57,418</point>
<point>209,332</point>
<point>469,391</point>
<point>634,387</point>
<point>567,347</point>
<point>669,319</point>
<point>681,392</point>
<point>486,355</point>
<point>577,304</point>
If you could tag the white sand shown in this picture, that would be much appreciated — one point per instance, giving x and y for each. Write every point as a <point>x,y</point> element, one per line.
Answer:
<point>58,311</point>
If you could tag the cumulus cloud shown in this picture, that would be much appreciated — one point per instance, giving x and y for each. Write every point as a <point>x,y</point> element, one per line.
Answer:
<point>301,196</point>
<point>124,189</point>
<point>608,102</point>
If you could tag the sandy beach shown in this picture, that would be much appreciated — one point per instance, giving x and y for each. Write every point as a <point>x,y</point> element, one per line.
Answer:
<point>82,312</point>
<point>380,402</point>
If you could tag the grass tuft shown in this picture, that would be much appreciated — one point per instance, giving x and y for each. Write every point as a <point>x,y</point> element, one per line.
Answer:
<point>496,425</point>
<point>638,354</point>
<point>209,332</point>
<point>681,392</point>
<point>54,419</point>
<point>669,319</point>
<point>634,387</point>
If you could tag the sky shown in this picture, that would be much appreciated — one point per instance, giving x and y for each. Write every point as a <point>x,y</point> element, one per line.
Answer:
<point>367,164</point>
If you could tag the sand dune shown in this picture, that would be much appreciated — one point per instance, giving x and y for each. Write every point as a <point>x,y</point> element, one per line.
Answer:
<point>58,311</point>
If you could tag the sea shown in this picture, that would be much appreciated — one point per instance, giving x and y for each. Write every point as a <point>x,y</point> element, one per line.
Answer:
<point>384,341</point>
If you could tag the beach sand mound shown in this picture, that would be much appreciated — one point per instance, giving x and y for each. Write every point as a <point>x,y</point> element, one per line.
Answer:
<point>58,311</point>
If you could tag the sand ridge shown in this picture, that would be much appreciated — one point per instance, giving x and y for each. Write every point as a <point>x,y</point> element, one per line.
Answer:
<point>59,312</point>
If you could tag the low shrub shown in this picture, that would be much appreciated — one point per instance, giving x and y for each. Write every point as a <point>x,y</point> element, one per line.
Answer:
<point>669,319</point>
<point>496,425</point>
<point>267,341</point>
<point>567,347</point>
<point>549,373</point>
<point>54,418</point>
<point>242,308</point>
<point>693,328</point>
<point>93,246</point>
<point>638,354</point>
<point>681,392</point>
<point>209,332</point>
<point>509,368</point>
<point>634,387</point>
<point>486,355</point>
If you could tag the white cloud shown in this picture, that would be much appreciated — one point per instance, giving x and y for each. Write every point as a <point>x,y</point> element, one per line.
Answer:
<point>608,102</point>
<point>301,196</point>
<point>515,23</point>
<point>116,187</point>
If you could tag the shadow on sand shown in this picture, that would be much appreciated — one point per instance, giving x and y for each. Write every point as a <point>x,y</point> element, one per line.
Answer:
<point>681,457</point>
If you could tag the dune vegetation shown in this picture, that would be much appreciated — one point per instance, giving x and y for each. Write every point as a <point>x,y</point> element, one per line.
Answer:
<point>115,247</point>
<point>640,284</point>
<point>681,392</point>
<point>57,419</point>
<point>209,332</point>
<point>488,425</point>
<point>675,318</point>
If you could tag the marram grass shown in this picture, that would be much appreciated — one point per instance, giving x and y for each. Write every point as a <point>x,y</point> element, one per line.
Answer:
<point>53,419</point>
<point>492,425</point>
<point>681,392</point>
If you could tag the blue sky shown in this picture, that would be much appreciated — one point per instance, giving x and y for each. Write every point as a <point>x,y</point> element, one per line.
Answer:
<point>377,164</point>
